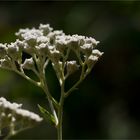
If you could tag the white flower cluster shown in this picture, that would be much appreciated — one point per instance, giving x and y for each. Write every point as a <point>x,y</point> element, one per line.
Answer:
<point>46,43</point>
<point>11,115</point>
<point>33,49</point>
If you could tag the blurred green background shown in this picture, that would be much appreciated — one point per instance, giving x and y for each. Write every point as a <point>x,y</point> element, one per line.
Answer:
<point>107,103</point>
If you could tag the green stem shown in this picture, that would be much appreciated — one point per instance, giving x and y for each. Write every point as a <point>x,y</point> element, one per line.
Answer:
<point>45,88</point>
<point>60,120</point>
<point>41,65</point>
<point>49,97</point>
<point>61,103</point>
<point>28,78</point>
<point>60,114</point>
<point>82,77</point>
<point>72,88</point>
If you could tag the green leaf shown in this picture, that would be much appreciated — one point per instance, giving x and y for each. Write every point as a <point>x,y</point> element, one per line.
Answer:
<point>47,115</point>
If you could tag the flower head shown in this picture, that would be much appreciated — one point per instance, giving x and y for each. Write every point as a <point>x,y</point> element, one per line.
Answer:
<point>67,53</point>
<point>12,115</point>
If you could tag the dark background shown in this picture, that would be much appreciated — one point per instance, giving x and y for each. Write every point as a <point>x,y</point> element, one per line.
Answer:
<point>107,103</point>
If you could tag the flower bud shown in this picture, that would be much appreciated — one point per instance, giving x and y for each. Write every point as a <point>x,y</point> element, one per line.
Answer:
<point>55,55</point>
<point>59,33</point>
<point>28,64</point>
<point>92,59</point>
<point>60,45</point>
<point>28,49</point>
<point>4,63</point>
<point>42,39</point>
<point>31,40</point>
<point>20,44</point>
<point>21,32</point>
<point>45,28</point>
<point>73,43</point>
<point>51,37</point>
<point>90,40</point>
<point>71,67</point>
<point>80,39</point>
<point>86,49</point>
<point>97,52</point>
<point>13,51</point>
<point>43,49</point>
<point>30,36</point>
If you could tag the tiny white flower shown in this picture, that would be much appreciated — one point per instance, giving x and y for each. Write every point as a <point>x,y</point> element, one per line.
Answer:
<point>12,49</point>
<point>89,40</point>
<point>45,28</point>
<point>12,106</point>
<point>28,64</point>
<point>55,55</point>
<point>92,59</point>
<point>72,41</point>
<point>5,64</point>
<point>22,31</point>
<point>51,47</point>
<point>42,39</point>
<point>2,99</point>
<point>86,49</point>
<point>33,33</point>
<point>19,44</point>
<point>29,115</point>
<point>43,49</point>
<point>97,52</point>
<point>72,66</point>
<point>60,45</point>
<point>58,32</point>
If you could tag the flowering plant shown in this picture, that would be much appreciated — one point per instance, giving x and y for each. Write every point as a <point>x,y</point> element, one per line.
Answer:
<point>14,118</point>
<point>43,46</point>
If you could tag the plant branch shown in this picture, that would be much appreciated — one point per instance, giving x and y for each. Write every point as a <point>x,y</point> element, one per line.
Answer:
<point>38,84</point>
<point>51,100</point>
<point>82,77</point>
<point>61,103</point>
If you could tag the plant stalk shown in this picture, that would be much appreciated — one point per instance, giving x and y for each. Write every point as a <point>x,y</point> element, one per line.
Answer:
<point>49,97</point>
<point>60,121</point>
<point>60,108</point>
